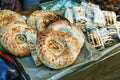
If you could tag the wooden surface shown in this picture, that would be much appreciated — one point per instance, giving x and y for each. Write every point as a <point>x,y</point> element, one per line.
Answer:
<point>109,69</point>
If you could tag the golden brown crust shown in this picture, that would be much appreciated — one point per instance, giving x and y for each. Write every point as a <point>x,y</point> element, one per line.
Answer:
<point>40,19</point>
<point>57,49</point>
<point>7,16</point>
<point>66,26</point>
<point>43,22</point>
<point>14,39</point>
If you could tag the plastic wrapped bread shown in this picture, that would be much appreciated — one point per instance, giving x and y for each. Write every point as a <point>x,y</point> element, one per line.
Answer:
<point>107,38</point>
<point>99,18</point>
<point>95,39</point>
<point>89,10</point>
<point>79,14</point>
<point>110,18</point>
<point>69,15</point>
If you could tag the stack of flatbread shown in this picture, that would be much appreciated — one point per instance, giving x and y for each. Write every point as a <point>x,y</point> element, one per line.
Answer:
<point>49,38</point>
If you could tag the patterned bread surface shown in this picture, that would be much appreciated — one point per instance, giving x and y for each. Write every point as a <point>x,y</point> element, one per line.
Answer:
<point>57,49</point>
<point>7,16</point>
<point>66,26</point>
<point>13,39</point>
<point>40,19</point>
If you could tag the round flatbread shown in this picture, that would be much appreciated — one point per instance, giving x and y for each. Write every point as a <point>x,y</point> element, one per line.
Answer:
<point>7,16</point>
<point>57,49</point>
<point>66,26</point>
<point>13,39</point>
<point>40,19</point>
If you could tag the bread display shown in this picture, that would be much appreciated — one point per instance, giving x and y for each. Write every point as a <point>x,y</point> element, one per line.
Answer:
<point>61,47</point>
<point>49,38</point>
<point>69,15</point>
<point>46,33</point>
<point>57,49</point>
<point>68,37</point>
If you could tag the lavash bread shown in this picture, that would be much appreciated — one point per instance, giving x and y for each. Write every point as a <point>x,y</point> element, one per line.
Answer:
<point>7,16</point>
<point>57,49</point>
<point>40,19</point>
<point>66,26</point>
<point>13,39</point>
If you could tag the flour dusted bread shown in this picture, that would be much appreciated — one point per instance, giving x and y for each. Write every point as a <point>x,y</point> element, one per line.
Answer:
<point>40,19</point>
<point>57,49</point>
<point>14,40</point>
<point>7,16</point>
<point>66,26</point>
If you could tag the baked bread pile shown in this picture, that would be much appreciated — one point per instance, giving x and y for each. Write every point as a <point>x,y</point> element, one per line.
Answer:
<point>48,37</point>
